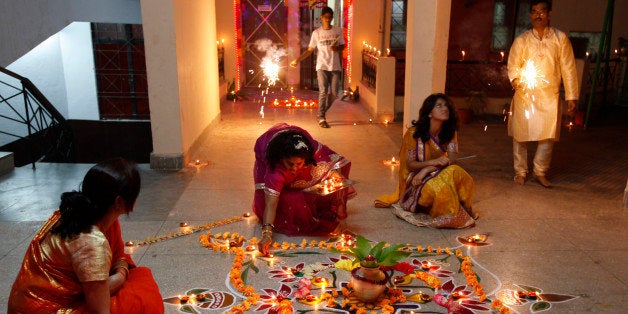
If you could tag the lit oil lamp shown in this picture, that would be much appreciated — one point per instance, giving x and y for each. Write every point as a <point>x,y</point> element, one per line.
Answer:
<point>476,238</point>
<point>425,265</point>
<point>392,162</point>
<point>247,214</point>
<point>184,299</point>
<point>527,294</point>
<point>183,224</point>
<point>200,297</point>
<point>129,243</point>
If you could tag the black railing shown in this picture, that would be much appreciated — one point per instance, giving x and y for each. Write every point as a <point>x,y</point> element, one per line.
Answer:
<point>369,68</point>
<point>39,131</point>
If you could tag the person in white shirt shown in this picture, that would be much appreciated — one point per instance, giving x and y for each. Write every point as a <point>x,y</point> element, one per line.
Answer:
<point>329,42</point>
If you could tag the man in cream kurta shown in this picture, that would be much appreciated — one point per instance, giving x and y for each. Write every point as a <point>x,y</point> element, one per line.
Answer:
<point>536,107</point>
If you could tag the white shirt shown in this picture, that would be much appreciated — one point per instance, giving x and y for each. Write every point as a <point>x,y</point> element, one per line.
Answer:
<point>323,39</point>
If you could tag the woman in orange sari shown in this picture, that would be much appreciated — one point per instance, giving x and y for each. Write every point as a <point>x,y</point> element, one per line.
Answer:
<point>76,262</point>
<point>433,191</point>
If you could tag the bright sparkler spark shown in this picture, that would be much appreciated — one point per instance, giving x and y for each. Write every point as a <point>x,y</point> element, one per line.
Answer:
<point>271,71</point>
<point>270,62</point>
<point>531,76</point>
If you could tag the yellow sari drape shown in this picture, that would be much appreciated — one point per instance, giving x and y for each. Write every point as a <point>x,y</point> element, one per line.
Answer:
<point>445,193</point>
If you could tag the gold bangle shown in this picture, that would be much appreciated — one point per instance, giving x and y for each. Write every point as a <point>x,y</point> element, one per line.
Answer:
<point>123,271</point>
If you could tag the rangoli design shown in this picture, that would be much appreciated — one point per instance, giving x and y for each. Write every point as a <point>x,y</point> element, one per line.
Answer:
<point>308,277</point>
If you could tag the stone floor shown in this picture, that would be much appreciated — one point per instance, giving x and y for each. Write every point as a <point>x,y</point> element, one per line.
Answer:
<point>571,239</point>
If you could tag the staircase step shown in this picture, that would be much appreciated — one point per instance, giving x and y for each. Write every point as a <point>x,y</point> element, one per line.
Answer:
<point>6,162</point>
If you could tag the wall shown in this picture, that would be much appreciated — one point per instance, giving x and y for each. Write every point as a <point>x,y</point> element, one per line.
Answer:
<point>366,26</point>
<point>25,24</point>
<point>78,71</point>
<point>588,16</point>
<point>43,66</point>
<point>470,29</point>
<point>225,29</point>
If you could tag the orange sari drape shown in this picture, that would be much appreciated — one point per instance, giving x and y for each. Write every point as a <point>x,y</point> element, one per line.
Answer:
<point>44,287</point>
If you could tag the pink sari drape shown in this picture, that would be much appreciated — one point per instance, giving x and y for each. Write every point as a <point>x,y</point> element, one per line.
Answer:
<point>300,212</point>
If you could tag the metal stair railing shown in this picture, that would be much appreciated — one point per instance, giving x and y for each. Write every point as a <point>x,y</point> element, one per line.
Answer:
<point>47,135</point>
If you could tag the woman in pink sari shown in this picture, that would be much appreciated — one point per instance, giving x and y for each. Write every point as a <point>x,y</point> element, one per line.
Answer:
<point>288,162</point>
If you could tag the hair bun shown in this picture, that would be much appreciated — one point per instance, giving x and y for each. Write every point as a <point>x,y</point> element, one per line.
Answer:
<point>72,202</point>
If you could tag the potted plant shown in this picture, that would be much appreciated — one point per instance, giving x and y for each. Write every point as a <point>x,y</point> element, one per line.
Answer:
<point>369,280</point>
<point>476,101</point>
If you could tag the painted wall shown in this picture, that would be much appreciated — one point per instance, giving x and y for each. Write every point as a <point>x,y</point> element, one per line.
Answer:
<point>25,24</point>
<point>366,27</point>
<point>197,64</point>
<point>62,68</point>
<point>471,28</point>
<point>78,69</point>
<point>588,16</point>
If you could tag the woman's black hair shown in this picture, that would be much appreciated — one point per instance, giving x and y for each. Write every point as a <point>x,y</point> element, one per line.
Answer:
<point>289,144</point>
<point>422,125</point>
<point>101,185</point>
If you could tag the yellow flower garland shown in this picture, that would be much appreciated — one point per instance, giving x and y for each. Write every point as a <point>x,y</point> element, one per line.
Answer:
<point>186,231</point>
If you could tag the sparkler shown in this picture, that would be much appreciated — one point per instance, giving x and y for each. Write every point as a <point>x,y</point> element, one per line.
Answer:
<point>531,76</point>
<point>270,62</point>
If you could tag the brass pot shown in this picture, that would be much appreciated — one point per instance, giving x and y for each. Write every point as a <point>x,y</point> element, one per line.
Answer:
<point>368,283</point>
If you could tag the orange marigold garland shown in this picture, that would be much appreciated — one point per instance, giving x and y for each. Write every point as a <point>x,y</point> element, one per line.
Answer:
<point>429,279</point>
<point>472,279</point>
<point>499,306</point>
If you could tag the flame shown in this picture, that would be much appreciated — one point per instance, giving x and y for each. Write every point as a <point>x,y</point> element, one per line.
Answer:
<point>271,70</point>
<point>529,75</point>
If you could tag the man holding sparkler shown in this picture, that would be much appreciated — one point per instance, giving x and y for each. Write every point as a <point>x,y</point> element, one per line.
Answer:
<point>330,43</point>
<point>539,59</point>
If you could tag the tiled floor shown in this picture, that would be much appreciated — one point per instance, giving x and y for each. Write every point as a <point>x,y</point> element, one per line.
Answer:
<point>571,239</point>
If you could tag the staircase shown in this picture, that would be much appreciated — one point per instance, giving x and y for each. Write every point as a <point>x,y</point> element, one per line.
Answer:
<point>30,126</point>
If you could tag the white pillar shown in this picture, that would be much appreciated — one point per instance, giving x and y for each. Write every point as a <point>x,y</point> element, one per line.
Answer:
<point>294,47</point>
<point>163,85</point>
<point>182,69</point>
<point>427,40</point>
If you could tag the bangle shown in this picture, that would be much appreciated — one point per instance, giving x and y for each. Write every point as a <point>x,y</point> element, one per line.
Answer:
<point>268,224</point>
<point>123,271</point>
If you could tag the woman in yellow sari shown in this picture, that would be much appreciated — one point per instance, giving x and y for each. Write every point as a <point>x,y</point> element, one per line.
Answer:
<point>433,191</point>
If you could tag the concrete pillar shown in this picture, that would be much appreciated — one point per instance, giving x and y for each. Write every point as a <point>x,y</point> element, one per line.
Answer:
<point>293,77</point>
<point>182,70</point>
<point>427,39</point>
